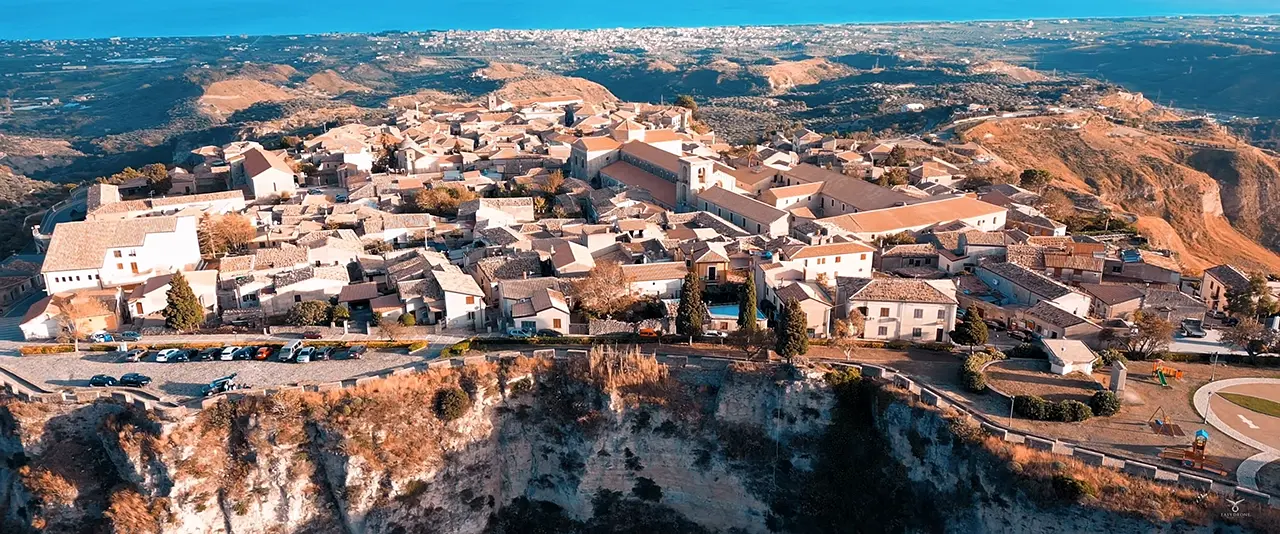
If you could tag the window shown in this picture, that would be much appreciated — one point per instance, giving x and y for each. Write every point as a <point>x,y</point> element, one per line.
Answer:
<point>119,266</point>
<point>916,332</point>
<point>942,314</point>
<point>471,299</point>
<point>918,314</point>
<point>838,259</point>
<point>555,323</point>
<point>134,266</point>
<point>117,254</point>
<point>884,312</point>
<point>883,331</point>
<point>297,298</point>
<point>864,256</point>
<point>138,305</point>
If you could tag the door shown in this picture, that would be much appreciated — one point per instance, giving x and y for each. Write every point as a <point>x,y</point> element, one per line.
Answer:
<point>711,272</point>
<point>937,336</point>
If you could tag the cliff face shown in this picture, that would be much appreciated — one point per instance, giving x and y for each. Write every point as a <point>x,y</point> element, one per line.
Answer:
<point>1211,199</point>
<point>541,445</point>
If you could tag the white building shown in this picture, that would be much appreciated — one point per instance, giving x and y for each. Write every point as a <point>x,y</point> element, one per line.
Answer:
<point>662,280</point>
<point>267,174</point>
<point>151,297</point>
<point>902,308</point>
<point>109,253</point>
<point>830,260</point>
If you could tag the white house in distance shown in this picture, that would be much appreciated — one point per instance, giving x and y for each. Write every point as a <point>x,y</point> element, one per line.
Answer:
<point>662,280</point>
<point>833,260</point>
<point>901,308</point>
<point>545,310</point>
<point>1019,285</point>
<point>1068,356</point>
<point>267,174</point>
<point>109,253</point>
<point>149,298</point>
<point>869,225</point>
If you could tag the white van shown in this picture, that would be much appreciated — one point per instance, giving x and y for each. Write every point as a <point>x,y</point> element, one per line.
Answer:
<point>289,350</point>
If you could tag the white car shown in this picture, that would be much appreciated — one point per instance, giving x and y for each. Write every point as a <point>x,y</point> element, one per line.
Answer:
<point>164,355</point>
<point>227,353</point>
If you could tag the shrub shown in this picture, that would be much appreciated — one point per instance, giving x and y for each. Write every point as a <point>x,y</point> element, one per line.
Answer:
<point>971,376</point>
<point>1028,350</point>
<point>451,403</point>
<point>418,345</point>
<point>1111,356</point>
<point>843,376</point>
<point>408,319</point>
<point>308,313</point>
<point>1072,411</point>
<point>1031,407</point>
<point>1072,489</point>
<point>973,381</point>
<point>1104,403</point>
<point>457,349</point>
<point>898,344</point>
<point>28,350</point>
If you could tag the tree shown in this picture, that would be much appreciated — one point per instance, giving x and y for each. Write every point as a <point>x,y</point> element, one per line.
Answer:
<point>847,333</point>
<point>900,238</point>
<point>183,311</point>
<point>1150,334</point>
<point>1056,204</point>
<point>225,233</point>
<point>308,313</point>
<point>408,319</point>
<point>555,181</point>
<point>443,202</point>
<point>1250,336</point>
<point>1253,300</point>
<point>1034,179</point>
<point>74,310</point>
<point>754,343</point>
<point>377,246</point>
<point>897,156</point>
<point>686,101</point>
<point>451,403</point>
<point>604,291</point>
<point>792,332</point>
<point>1104,403</point>
<point>747,303</point>
<point>971,330</point>
<point>341,312</point>
<point>690,313</point>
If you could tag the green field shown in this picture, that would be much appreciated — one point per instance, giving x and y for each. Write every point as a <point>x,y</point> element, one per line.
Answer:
<point>1260,405</point>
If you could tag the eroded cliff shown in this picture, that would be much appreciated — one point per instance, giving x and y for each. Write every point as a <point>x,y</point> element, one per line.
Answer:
<point>612,443</point>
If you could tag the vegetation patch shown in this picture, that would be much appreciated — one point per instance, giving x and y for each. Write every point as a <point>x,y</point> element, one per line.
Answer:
<point>1257,404</point>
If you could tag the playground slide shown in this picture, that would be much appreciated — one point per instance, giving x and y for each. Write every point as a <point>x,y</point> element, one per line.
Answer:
<point>1160,375</point>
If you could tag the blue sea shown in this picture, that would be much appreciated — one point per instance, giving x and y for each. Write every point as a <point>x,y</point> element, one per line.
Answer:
<point>79,19</point>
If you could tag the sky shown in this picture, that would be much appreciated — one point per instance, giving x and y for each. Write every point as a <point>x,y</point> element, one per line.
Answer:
<point>77,19</point>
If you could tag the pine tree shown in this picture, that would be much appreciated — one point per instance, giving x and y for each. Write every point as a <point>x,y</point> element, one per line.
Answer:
<point>793,335</point>
<point>691,311</point>
<point>970,330</point>
<point>184,311</point>
<point>747,304</point>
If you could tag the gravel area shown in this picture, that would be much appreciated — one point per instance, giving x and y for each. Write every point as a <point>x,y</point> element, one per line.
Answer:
<point>181,381</point>
<point>1032,377</point>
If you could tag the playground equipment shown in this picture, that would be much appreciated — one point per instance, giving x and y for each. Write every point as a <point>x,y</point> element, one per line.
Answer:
<point>1194,457</point>
<point>1162,372</point>
<point>1162,424</point>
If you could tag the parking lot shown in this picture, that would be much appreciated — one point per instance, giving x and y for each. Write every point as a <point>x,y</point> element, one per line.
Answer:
<point>179,382</point>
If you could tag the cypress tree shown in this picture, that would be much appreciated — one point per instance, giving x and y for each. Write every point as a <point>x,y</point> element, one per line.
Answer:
<point>970,330</point>
<point>747,304</point>
<point>793,335</point>
<point>184,311</point>
<point>691,311</point>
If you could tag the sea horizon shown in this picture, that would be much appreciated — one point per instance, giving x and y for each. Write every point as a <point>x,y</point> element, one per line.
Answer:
<point>35,20</point>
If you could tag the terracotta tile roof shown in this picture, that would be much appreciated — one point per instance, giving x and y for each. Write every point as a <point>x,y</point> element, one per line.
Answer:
<point>745,206</point>
<point>662,190</point>
<point>1074,262</point>
<point>893,290</point>
<point>649,272</point>
<point>547,298</point>
<point>525,288</point>
<point>364,291</point>
<point>1053,315</point>
<point>257,161</point>
<point>915,215</point>
<point>597,144</point>
<point>1029,256</point>
<point>855,192</point>
<point>453,282</point>
<point>793,191</point>
<point>801,291</point>
<point>1161,299</point>
<point>653,155</point>
<point>919,249</point>
<point>1230,275</point>
<point>84,245</point>
<point>660,136</point>
<point>1112,294</point>
<point>1032,281</point>
<point>797,252</point>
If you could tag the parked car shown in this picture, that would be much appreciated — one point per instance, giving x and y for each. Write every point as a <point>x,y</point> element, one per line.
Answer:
<point>1231,321</point>
<point>221,385</point>
<point>315,191</point>
<point>547,332</point>
<point>518,333</point>
<point>649,333</point>
<point>714,333</point>
<point>135,380</point>
<point>132,356</point>
<point>312,334</point>
<point>228,353</point>
<point>208,354</point>
<point>164,355</point>
<point>182,355</point>
<point>245,353</point>
<point>304,355</point>
<point>356,352</point>
<point>264,352</point>
<point>340,198</point>
<point>103,381</point>
<point>130,336</point>
<point>1020,335</point>
<point>322,353</point>
<point>102,337</point>
<point>1193,328</point>
<point>994,324</point>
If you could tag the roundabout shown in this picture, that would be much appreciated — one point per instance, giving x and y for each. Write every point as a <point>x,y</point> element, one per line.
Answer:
<point>1245,410</point>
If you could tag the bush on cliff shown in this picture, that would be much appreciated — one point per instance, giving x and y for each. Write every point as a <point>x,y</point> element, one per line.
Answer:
<point>451,403</point>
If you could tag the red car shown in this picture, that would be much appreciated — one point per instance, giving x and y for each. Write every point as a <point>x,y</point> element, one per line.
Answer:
<point>311,335</point>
